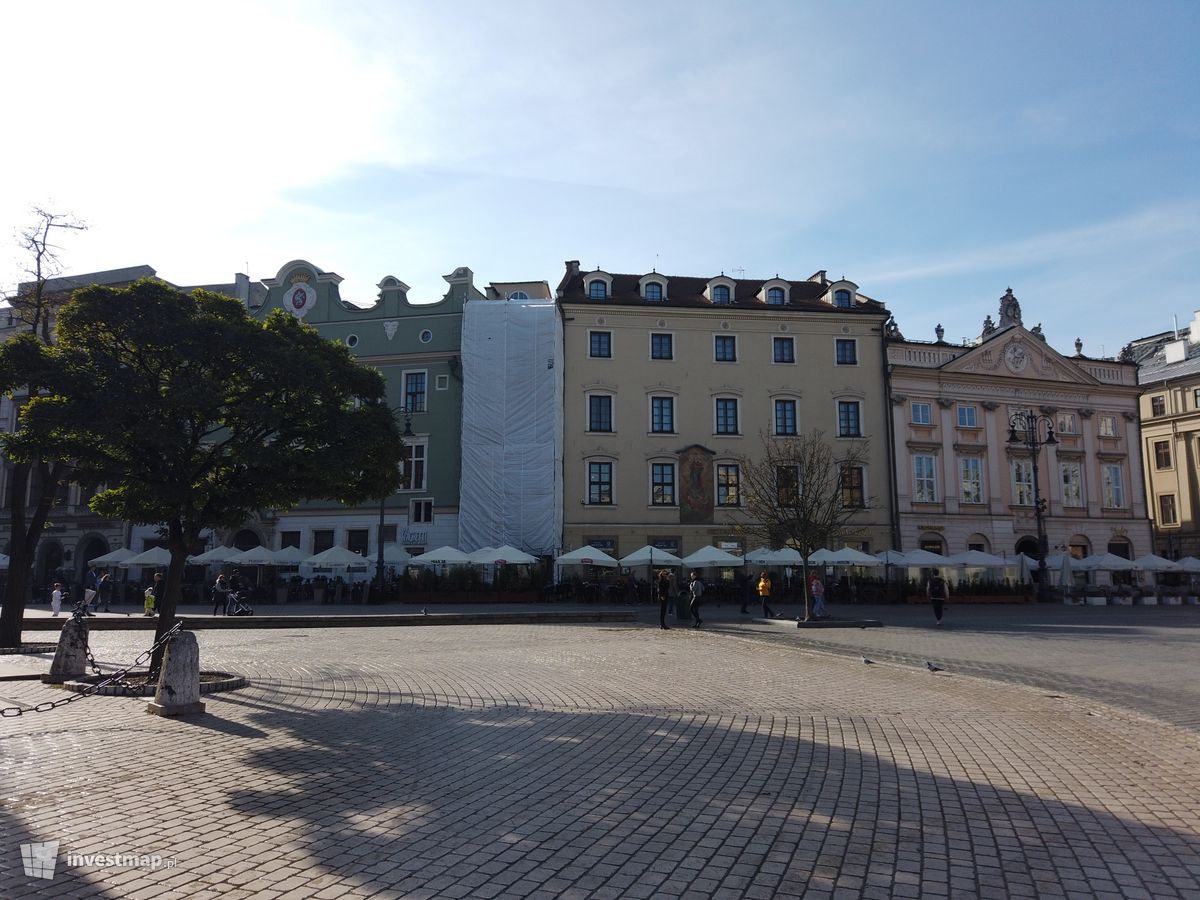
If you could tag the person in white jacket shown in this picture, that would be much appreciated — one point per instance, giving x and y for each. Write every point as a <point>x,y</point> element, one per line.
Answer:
<point>56,598</point>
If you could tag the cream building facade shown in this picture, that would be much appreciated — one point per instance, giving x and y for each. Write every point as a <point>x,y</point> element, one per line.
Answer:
<point>962,485</point>
<point>669,380</point>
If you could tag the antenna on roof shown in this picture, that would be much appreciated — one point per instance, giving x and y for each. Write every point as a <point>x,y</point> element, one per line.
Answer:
<point>741,272</point>
<point>655,262</point>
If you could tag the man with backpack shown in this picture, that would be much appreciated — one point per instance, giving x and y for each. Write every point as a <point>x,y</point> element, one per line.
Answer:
<point>938,591</point>
<point>695,591</point>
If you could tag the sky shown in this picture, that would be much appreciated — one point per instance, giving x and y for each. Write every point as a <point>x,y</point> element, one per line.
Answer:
<point>933,153</point>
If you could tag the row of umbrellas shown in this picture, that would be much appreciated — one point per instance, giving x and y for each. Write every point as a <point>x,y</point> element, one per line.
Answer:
<point>334,557</point>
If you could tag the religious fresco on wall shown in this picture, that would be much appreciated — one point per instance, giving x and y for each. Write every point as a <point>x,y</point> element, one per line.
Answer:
<point>696,486</point>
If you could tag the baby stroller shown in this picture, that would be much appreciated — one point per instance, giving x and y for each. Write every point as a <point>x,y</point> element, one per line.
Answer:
<point>237,606</point>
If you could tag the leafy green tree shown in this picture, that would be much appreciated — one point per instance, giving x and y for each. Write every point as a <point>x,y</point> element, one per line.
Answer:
<point>183,410</point>
<point>29,510</point>
<point>800,492</point>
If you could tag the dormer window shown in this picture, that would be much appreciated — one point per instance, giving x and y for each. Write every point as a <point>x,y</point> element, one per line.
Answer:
<point>597,290</point>
<point>775,296</point>
<point>653,290</point>
<point>720,294</point>
<point>520,295</point>
<point>842,299</point>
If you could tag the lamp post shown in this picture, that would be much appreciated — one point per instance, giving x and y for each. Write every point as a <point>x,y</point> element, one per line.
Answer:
<point>407,413</point>
<point>1024,430</point>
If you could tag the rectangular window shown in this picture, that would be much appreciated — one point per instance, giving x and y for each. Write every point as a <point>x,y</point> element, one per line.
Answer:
<point>1162,454</point>
<point>1158,405</point>
<point>388,534</point>
<point>784,349</point>
<point>420,512</point>
<point>662,415</point>
<point>787,486</point>
<point>729,485</point>
<point>725,348</point>
<point>662,346</point>
<point>1022,482</point>
<point>600,412</point>
<point>1196,398</point>
<point>441,383</point>
<point>600,345</point>
<point>289,539</point>
<point>1166,510</point>
<point>785,417</point>
<point>1071,477</point>
<point>1067,423</point>
<point>1108,426</point>
<point>851,481</point>
<point>924,479</point>
<point>846,352</point>
<point>322,540</point>
<point>727,415</point>
<point>412,475</point>
<point>922,414</point>
<point>970,477</point>
<point>849,424</point>
<point>414,391</point>
<point>1113,484</point>
<point>967,417</point>
<point>662,484</point>
<point>600,478</point>
<point>356,540</point>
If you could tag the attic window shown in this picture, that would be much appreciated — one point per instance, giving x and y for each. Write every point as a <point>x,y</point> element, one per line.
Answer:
<point>720,294</point>
<point>775,296</point>
<point>842,299</point>
<point>653,290</point>
<point>597,290</point>
<point>521,295</point>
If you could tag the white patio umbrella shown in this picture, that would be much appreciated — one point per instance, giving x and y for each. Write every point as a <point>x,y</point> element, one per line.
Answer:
<point>893,557</point>
<point>1190,564</point>
<point>113,557</point>
<point>977,559</point>
<point>1152,563</point>
<point>255,556</point>
<point>847,556</point>
<point>1025,567</point>
<point>289,556</point>
<point>4,561</point>
<point>586,555</point>
<point>480,555</point>
<point>338,557</point>
<point>504,555</point>
<point>651,556</point>
<point>785,556</point>
<point>442,556</point>
<point>712,556</point>
<point>218,554</point>
<point>926,559</point>
<point>1105,562</point>
<point>395,555</point>
<point>156,556</point>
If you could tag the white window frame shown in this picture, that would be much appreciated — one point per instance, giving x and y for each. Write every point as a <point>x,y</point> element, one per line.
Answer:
<point>1022,482</point>
<point>674,483</point>
<point>659,395</point>
<point>611,342</point>
<point>1108,426</point>
<point>441,383</point>
<point>718,465</point>
<point>404,374</point>
<point>414,505</point>
<point>1066,423</point>
<point>921,404</point>
<point>1070,480</point>
<point>967,415</point>
<point>1112,481</point>
<point>1162,512</point>
<point>736,354</point>
<point>837,417</point>
<point>587,411</point>
<point>775,401</point>
<point>421,444</point>
<point>716,418</point>
<point>924,472</point>
<point>650,346</point>
<point>587,480</point>
<point>783,339</point>
<point>970,478</point>
<point>853,343</point>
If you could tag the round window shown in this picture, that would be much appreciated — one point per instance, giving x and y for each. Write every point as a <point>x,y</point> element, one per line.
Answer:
<point>426,336</point>
<point>352,340</point>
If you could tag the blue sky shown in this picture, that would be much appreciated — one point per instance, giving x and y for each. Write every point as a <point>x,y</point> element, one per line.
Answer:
<point>934,153</point>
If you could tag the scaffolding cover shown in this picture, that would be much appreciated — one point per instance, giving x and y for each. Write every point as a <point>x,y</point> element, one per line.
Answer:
<point>511,490</point>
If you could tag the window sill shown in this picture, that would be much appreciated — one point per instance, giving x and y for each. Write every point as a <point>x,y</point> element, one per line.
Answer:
<point>728,434</point>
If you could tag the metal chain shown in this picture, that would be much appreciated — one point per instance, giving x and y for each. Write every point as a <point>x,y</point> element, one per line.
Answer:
<point>78,615</point>
<point>118,677</point>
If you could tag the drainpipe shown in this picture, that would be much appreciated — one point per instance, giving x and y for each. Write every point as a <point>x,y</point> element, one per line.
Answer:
<point>890,417</point>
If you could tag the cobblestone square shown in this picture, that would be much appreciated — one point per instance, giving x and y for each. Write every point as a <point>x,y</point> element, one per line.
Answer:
<point>597,761</point>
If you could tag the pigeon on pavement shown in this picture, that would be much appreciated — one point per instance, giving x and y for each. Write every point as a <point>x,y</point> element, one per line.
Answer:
<point>869,662</point>
<point>932,668</point>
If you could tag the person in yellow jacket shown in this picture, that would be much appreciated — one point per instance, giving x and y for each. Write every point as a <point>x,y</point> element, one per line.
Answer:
<point>764,594</point>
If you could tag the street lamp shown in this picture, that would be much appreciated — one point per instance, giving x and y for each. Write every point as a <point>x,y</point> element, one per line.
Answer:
<point>408,432</point>
<point>1024,429</point>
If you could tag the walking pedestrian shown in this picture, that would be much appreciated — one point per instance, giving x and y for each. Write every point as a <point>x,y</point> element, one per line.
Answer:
<point>220,596</point>
<point>938,591</point>
<point>746,588</point>
<point>816,590</point>
<point>764,594</point>
<point>663,586</point>
<point>91,588</point>
<point>106,589</point>
<point>56,598</point>
<point>695,591</point>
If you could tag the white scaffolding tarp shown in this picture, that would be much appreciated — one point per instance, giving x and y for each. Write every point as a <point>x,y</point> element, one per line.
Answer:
<point>511,489</point>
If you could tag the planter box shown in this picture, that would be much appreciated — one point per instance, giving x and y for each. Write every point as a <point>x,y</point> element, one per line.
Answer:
<point>1147,601</point>
<point>1122,601</point>
<point>1193,601</point>
<point>1171,600</point>
<point>1096,601</point>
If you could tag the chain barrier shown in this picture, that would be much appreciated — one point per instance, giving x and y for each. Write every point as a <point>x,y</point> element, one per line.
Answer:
<point>78,614</point>
<point>118,677</point>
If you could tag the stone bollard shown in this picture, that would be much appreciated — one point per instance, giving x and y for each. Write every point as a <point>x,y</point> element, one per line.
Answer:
<point>178,691</point>
<point>70,659</point>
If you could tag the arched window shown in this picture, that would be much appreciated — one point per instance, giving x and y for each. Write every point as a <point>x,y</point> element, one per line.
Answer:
<point>842,299</point>
<point>775,296</point>
<point>653,290</point>
<point>521,295</point>
<point>597,290</point>
<point>720,294</point>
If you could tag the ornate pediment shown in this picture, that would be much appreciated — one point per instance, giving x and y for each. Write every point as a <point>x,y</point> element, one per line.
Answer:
<point>1017,353</point>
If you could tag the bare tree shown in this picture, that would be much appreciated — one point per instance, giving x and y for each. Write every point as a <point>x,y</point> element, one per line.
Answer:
<point>802,492</point>
<point>28,514</point>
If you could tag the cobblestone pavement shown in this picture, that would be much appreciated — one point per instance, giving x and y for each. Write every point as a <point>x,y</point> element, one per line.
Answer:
<point>598,761</point>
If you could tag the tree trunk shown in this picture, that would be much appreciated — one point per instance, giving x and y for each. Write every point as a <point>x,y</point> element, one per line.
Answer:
<point>804,586</point>
<point>23,540</point>
<point>179,543</point>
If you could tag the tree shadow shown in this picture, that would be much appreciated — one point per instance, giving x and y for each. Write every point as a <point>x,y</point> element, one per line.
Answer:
<point>410,798</point>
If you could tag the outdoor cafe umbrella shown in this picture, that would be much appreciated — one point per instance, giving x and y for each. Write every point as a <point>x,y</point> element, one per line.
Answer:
<point>586,555</point>
<point>113,557</point>
<point>505,555</point>
<point>155,556</point>
<point>1152,563</point>
<point>847,556</point>
<point>217,554</point>
<point>893,557</point>
<point>289,556</point>
<point>442,556</point>
<point>651,556</point>
<point>977,559</point>
<point>1105,562</point>
<point>1190,564</point>
<point>784,556</point>
<point>712,556</point>
<point>759,555</point>
<point>395,555</point>
<point>255,556</point>
<point>925,558</point>
<point>338,557</point>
